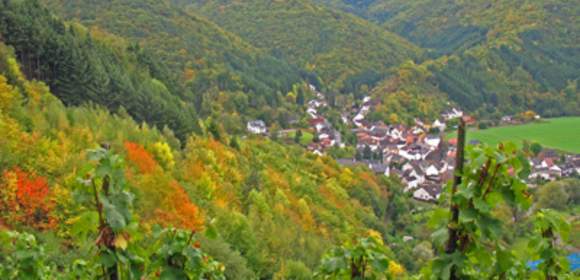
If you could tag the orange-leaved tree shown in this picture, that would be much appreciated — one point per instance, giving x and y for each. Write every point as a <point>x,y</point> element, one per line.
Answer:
<point>25,198</point>
<point>178,211</point>
<point>140,157</point>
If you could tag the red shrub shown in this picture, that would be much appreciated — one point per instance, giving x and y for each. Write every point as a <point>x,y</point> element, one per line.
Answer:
<point>26,196</point>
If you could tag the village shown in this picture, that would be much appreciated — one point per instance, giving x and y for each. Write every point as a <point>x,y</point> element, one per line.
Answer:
<point>420,155</point>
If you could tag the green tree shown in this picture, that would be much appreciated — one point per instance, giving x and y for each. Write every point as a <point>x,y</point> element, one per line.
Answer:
<point>367,152</point>
<point>296,270</point>
<point>215,130</point>
<point>298,136</point>
<point>536,148</point>
<point>234,143</point>
<point>300,99</point>
<point>553,195</point>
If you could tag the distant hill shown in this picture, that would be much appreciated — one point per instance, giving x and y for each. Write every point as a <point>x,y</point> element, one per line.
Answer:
<point>504,56</point>
<point>490,59</point>
<point>204,56</point>
<point>341,48</point>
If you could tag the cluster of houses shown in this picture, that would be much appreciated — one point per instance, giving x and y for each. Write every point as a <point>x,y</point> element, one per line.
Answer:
<point>326,136</point>
<point>422,160</point>
<point>520,119</point>
<point>425,162</point>
<point>419,154</point>
<point>549,165</point>
<point>360,113</point>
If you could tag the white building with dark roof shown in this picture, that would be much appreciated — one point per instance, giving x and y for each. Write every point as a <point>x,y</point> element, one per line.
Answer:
<point>257,127</point>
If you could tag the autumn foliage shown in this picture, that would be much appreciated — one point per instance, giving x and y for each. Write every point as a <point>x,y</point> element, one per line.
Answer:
<point>26,199</point>
<point>140,157</point>
<point>178,211</point>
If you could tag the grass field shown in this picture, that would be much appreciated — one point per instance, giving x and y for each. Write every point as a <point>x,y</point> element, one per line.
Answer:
<point>306,137</point>
<point>559,133</point>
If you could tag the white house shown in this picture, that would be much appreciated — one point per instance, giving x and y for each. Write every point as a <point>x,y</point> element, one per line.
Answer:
<point>439,124</point>
<point>257,127</point>
<point>320,126</point>
<point>314,103</point>
<point>413,183</point>
<point>407,238</point>
<point>433,140</point>
<point>556,170</point>
<point>453,114</point>
<point>543,174</point>
<point>323,136</point>
<point>422,194</point>
<point>312,112</point>
<point>432,171</point>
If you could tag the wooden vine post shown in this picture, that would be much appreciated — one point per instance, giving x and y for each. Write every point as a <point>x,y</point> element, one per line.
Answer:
<point>453,241</point>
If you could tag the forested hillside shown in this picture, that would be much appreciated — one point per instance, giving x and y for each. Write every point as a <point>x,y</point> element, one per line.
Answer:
<point>345,51</point>
<point>502,57</point>
<point>221,73</point>
<point>273,206</point>
<point>492,59</point>
<point>124,152</point>
<point>144,207</point>
<point>190,44</point>
<point>81,66</point>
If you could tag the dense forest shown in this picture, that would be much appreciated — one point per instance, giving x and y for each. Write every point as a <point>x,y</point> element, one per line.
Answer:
<point>496,58</point>
<point>341,49</point>
<point>224,77</point>
<point>80,67</point>
<point>124,155</point>
<point>504,60</point>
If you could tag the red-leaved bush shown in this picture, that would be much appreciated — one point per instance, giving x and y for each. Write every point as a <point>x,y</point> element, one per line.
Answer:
<point>25,199</point>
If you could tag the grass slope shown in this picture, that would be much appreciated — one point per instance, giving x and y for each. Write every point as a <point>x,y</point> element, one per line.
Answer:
<point>559,133</point>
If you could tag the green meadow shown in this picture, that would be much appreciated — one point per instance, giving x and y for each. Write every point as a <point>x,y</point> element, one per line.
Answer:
<point>558,133</point>
<point>306,139</point>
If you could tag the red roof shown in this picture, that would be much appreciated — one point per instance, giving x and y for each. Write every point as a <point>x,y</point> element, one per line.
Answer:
<point>363,137</point>
<point>325,142</point>
<point>469,120</point>
<point>316,121</point>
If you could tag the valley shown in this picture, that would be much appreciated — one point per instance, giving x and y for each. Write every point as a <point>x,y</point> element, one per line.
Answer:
<point>299,139</point>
